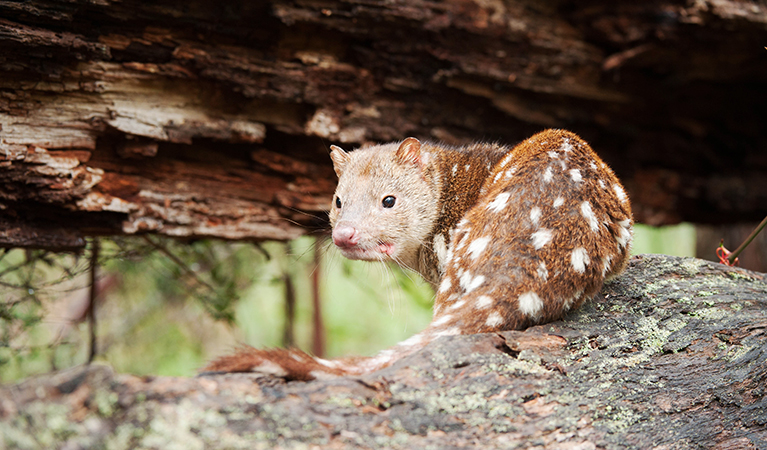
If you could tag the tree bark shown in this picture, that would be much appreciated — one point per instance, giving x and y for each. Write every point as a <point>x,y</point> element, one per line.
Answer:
<point>672,354</point>
<point>204,119</point>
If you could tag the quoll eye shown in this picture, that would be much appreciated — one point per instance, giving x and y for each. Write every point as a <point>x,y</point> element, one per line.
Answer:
<point>338,202</point>
<point>388,201</point>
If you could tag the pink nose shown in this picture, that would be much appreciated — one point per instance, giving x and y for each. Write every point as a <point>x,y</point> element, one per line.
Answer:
<point>345,236</point>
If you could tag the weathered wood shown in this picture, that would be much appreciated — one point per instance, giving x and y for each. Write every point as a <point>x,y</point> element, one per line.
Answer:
<point>672,354</point>
<point>205,119</point>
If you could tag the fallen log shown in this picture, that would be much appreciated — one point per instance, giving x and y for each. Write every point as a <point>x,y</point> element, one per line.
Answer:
<point>672,354</point>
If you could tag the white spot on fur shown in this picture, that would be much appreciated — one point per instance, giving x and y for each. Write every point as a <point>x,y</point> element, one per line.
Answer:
<point>457,304</point>
<point>497,177</point>
<point>499,203</point>
<point>442,320</point>
<point>575,174</point>
<point>579,259</point>
<point>553,154</point>
<point>483,301</point>
<point>445,285</point>
<point>601,183</point>
<point>478,246</point>
<point>535,214</point>
<point>463,239</point>
<point>548,175</point>
<point>467,167</point>
<point>449,256</point>
<point>569,302</point>
<point>593,165</point>
<point>541,238</point>
<point>453,331</point>
<point>382,357</point>
<point>588,214</point>
<point>455,169</point>
<point>469,283</point>
<point>530,304</point>
<point>619,192</point>
<point>327,363</point>
<point>440,249</point>
<point>626,232</point>
<point>510,173</point>
<point>606,266</point>
<point>559,201</point>
<point>566,145</point>
<point>270,368</point>
<point>543,272</point>
<point>506,159</point>
<point>494,319</point>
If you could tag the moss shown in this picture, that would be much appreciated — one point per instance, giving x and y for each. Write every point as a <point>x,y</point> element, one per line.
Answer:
<point>618,420</point>
<point>106,402</point>
<point>709,314</point>
<point>737,275</point>
<point>738,351</point>
<point>41,425</point>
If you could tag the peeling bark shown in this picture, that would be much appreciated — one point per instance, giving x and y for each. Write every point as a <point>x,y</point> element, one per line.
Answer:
<point>201,119</point>
<point>672,354</point>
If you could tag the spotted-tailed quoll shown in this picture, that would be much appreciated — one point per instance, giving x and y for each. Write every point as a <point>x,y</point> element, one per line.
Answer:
<point>508,237</point>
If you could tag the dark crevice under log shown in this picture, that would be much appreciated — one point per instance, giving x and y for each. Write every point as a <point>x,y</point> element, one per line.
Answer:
<point>200,119</point>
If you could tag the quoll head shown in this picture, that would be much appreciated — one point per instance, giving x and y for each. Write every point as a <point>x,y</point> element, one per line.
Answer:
<point>385,204</point>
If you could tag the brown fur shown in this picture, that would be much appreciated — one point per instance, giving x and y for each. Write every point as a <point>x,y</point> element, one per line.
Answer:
<point>508,237</point>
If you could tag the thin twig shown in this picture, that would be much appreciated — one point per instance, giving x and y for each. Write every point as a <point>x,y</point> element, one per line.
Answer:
<point>289,338</point>
<point>748,240</point>
<point>179,263</point>
<point>91,313</point>
<point>318,341</point>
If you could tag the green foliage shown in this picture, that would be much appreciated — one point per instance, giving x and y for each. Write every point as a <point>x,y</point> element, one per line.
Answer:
<point>168,306</point>
<point>29,279</point>
<point>675,240</point>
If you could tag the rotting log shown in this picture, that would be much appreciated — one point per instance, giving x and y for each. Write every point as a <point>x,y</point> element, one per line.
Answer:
<point>670,355</point>
<point>204,119</point>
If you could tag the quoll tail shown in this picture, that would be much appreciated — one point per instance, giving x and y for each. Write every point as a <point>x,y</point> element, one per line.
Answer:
<point>294,364</point>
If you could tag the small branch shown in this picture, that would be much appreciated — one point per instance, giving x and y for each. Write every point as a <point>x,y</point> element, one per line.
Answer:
<point>91,313</point>
<point>318,341</point>
<point>748,240</point>
<point>179,263</point>
<point>288,338</point>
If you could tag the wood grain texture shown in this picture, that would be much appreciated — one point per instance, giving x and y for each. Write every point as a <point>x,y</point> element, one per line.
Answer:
<point>196,119</point>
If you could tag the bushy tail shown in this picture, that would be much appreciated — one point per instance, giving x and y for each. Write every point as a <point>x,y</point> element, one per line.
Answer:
<point>294,364</point>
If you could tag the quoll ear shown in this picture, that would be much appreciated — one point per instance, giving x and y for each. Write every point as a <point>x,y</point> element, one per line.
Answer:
<point>340,159</point>
<point>409,151</point>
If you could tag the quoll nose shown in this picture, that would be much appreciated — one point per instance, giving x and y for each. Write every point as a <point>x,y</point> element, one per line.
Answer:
<point>345,236</point>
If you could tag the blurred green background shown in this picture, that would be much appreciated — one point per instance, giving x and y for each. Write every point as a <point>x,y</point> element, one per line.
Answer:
<point>164,315</point>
